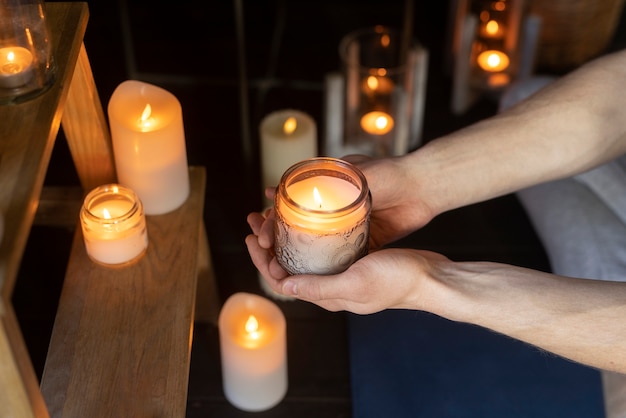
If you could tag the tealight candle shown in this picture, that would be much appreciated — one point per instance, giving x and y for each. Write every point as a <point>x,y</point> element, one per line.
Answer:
<point>253,350</point>
<point>377,123</point>
<point>287,136</point>
<point>149,145</point>
<point>113,225</point>
<point>493,60</point>
<point>322,216</point>
<point>16,67</point>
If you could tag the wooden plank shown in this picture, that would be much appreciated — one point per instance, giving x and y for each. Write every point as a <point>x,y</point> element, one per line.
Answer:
<point>27,135</point>
<point>121,342</point>
<point>86,128</point>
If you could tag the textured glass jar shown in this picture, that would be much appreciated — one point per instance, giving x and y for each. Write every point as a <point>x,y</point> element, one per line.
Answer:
<point>27,67</point>
<point>322,216</point>
<point>113,225</point>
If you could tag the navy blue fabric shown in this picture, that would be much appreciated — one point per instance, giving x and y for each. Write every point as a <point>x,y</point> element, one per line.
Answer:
<point>415,364</point>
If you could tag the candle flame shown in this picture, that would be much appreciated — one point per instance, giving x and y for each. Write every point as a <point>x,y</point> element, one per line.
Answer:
<point>372,82</point>
<point>252,327</point>
<point>106,214</point>
<point>381,122</point>
<point>11,56</point>
<point>492,27</point>
<point>147,112</point>
<point>317,197</point>
<point>493,60</point>
<point>290,125</point>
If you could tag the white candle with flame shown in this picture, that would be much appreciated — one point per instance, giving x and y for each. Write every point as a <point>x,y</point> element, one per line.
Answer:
<point>113,225</point>
<point>149,145</point>
<point>253,350</point>
<point>322,215</point>
<point>287,136</point>
<point>16,67</point>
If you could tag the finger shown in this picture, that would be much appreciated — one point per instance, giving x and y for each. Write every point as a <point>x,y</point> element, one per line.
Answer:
<point>270,192</point>
<point>255,221</point>
<point>266,233</point>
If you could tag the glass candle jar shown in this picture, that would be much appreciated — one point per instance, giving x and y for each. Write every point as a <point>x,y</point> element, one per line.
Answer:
<point>113,225</point>
<point>27,66</point>
<point>322,216</point>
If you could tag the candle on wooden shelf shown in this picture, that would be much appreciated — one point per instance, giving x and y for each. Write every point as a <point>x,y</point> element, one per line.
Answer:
<point>16,67</point>
<point>149,145</point>
<point>287,136</point>
<point>113,225</point>
<point>493,60</point>
<point>253,348</point>
<point>322,216</point>
<point>377,123</point>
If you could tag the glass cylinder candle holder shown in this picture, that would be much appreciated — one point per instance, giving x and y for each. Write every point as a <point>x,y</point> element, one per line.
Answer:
<point>380,92</point>
<point>27,67</point>
<point>113,225</point>
<point>322,216</point>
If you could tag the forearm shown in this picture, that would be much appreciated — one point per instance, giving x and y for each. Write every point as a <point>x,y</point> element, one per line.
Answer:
<point>579,319</point>
<point>574,124</point>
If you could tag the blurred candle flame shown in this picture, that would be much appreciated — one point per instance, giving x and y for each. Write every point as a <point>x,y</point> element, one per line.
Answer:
<point>290,125</point>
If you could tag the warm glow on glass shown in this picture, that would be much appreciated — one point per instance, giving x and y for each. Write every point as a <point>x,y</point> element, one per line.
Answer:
<point>385,40</point>
<point>499,6</point>
<point>252,327</point>
<point>493,61</point>
<point>106,214</point>
<point>290,125</point>
<point>317,197</point>
<point>381,72</point>
<point>377,123</point>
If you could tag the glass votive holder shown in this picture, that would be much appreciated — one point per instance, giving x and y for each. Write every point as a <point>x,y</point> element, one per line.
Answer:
<point>380,87</point>
<point>27,67</point>
<point>322,216</point>
<point>113,225</point>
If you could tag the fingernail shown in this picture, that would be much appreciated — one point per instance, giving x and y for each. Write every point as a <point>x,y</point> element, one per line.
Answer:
<point>290,288</point>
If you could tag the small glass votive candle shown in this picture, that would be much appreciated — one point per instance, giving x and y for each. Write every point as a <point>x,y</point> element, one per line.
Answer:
<point>27,67</point>
<point>113,225</point>
<point>322,216</point>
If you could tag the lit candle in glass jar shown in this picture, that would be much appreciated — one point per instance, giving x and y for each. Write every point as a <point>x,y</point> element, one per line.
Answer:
<point>377,123</point>
<point>16,67</point>
<point>113,225</point>
<point>322,216</point>
<point>149,145</point>
<point>253,350</point>
<point>378,84</point>
<point>493,60</point>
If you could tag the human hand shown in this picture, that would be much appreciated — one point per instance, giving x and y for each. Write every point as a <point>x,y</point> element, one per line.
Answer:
<point>384,279</point>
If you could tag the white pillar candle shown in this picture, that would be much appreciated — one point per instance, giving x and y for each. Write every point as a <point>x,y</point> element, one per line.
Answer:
<point>253,348</point>
<point>149,145</point>
<point>287,136</point>
<point>322,216</point>
<point>113,225</point>
<point>16,67</point>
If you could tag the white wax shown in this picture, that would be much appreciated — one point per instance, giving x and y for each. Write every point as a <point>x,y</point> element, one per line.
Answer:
<point>16,66</point>
<point>254,362</point>
<point>112,236</point>
<point>150,155</point>
<point>280,150</point>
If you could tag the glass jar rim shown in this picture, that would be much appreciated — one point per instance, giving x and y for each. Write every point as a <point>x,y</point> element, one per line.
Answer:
<point>114,189</point>
<point>316,166</point>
